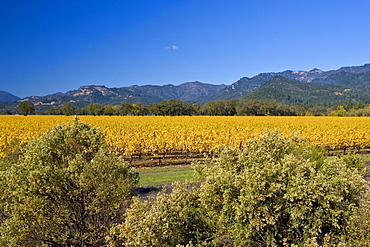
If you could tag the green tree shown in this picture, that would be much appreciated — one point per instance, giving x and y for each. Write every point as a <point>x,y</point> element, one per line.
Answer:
<point>65,189</point>
<point>350,105</point>
<point>108,110</point>
<point>214,108</point>
<point>298,110</point>
<point>95,109</point>
<point>26,107</point>
<point>139,109</point>
<point>82,111</point>
<point>156,109</point>
<point>195,108</point>
<point>339,111</point>
<point>318,110</point>
<point>126,109</point>
<point>172,107</point>
<point>360,104</point>
<point>277,191</point>
<point>365,111</point>
<point>68,109</point>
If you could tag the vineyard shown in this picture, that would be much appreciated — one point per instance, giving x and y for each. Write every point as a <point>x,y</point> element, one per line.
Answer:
<point>150,135</point>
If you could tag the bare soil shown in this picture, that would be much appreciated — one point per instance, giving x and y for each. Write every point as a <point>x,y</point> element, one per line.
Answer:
<point>367,175</point>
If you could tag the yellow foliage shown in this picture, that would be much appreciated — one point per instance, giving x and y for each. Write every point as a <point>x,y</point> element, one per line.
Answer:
<point>155,134</point>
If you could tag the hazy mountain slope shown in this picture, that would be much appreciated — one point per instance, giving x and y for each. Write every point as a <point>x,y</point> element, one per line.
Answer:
<point>7,97</point>
<point>145,94</point>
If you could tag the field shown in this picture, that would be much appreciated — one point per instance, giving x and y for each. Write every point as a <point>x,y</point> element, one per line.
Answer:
<point>150,135</point>
<point>156,141</point>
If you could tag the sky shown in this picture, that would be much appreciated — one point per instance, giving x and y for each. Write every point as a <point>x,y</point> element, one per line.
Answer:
<point>59,45</point>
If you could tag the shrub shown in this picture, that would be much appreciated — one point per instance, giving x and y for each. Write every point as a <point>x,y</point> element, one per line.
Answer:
<point>64,189</point>
<point>278,191</point>
<point>171,219</point>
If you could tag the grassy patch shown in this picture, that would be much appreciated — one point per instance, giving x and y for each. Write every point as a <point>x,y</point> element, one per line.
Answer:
<point>366,157</point>
<point>156,176</point>
<point>161,175</point>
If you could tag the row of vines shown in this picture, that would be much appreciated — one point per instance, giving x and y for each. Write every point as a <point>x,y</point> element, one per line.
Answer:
<point>195,134</point>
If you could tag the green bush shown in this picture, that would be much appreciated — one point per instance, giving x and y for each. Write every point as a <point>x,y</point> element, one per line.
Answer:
<point>278,191</point>
<point>172,219</point>
<point>64,189</point>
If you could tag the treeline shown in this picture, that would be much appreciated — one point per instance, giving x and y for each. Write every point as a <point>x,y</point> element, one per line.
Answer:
<point>233,107</point>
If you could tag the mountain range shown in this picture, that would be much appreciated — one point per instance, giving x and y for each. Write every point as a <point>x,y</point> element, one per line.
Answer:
<point>288,87</point>
<point>356,76</point>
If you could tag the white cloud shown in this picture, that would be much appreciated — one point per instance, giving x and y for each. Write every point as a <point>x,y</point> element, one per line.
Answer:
<point>172,47</point>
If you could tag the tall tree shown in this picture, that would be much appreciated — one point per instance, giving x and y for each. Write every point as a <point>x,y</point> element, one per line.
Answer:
<point>26,107</point>
<point>68,109</point>
<point>139,109</point>
<point>108,110</point>
<point>126,108</point>
<point>95,109</point>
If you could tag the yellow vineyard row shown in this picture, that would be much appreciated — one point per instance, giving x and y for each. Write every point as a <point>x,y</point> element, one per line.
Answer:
<point>149,134</point>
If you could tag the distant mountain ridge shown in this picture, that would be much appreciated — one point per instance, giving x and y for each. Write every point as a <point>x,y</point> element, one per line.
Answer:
<point>7,97</point>
<point>246,85</point>
<point>287,87</point>
<point>148,94</point>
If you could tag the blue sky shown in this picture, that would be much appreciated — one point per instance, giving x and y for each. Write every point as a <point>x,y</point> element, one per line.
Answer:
<point>59,45</point>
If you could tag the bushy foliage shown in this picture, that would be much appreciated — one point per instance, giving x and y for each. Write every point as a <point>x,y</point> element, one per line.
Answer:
<point>277,191</point>
<point>170,219</point>
<point>64,189</point>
